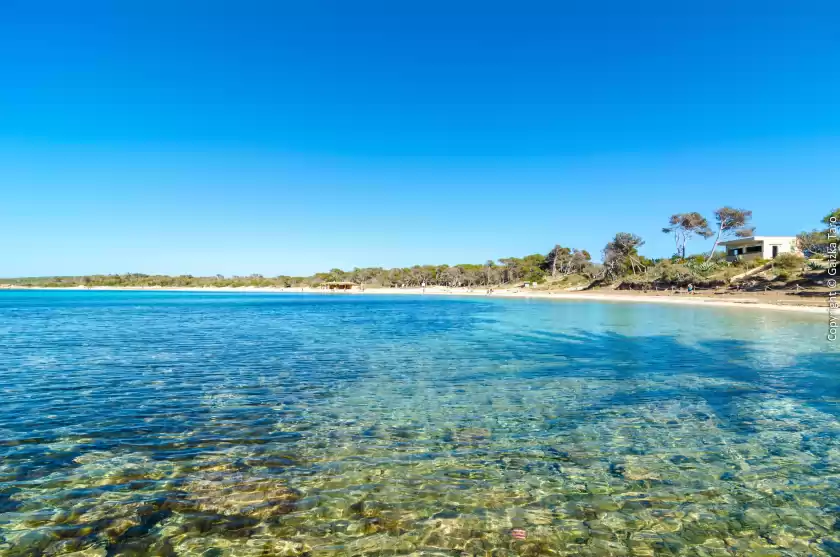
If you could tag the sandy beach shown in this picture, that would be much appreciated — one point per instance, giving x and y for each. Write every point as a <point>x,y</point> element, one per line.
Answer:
<point>756,300</point>
<point>749,301</point>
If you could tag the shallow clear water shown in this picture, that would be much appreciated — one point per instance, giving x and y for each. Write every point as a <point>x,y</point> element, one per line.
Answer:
<point>144,423</point>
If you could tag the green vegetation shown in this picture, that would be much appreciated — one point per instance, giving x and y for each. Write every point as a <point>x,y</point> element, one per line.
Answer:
<point>560,263</point>
<point>561,267</point>
<point>621,256</point>
<point>789,262</point>
<point>819,241</point>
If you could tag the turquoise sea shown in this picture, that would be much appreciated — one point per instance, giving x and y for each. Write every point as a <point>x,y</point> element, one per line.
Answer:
<point>192,424</point>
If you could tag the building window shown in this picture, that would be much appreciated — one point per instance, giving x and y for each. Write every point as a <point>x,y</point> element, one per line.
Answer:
<point>753,249</point>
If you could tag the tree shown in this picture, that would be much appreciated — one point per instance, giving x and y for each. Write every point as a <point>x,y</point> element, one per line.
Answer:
<point>454,276</point>
<point>621,255</point>
<point>811,242</point>
<point>685,225</point>
<point>533,267</point>
<point>364,275</point>
<point>819,241</point>
<point>554,259</point>
<point>731,223</point>
<point>490,272</point>
<point>395,277</point>
<point>565,261</point>
<point>832,219</point>
<point>511,269</point>
<point>578,261</point>
<point>472,274</point>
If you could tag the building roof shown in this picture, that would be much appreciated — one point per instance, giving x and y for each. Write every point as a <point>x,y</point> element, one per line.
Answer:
<point>757,239</point>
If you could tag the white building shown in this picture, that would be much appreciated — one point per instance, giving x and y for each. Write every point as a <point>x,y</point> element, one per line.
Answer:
<point>759,247</point>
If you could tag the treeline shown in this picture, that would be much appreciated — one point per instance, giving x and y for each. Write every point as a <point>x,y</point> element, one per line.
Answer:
<point>560,261</point>
<point>620,260</point>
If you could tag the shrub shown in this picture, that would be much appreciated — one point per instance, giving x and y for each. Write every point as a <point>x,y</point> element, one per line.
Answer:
<point>748,264</point>
<point>788,261</point>
<point>677,273</point>
<point>706,268</point>
<point>538,277</point>
<point>646,262</point>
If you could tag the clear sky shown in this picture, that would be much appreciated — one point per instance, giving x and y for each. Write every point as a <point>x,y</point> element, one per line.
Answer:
<point>280,137</point>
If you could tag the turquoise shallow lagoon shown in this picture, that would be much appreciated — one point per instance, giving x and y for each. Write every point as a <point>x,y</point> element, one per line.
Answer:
<point>162,423</point>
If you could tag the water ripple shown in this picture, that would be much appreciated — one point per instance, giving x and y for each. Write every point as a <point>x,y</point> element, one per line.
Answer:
<point>141,423</point>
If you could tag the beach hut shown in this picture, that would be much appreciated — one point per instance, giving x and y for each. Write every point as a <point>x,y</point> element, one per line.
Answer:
<point>337,285</point>
<point>759,247</point>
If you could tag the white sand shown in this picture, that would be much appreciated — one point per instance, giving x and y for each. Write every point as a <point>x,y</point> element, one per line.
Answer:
<point>683,299</point>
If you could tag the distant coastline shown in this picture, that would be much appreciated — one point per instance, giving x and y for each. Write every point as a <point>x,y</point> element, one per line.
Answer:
<point>753,301</point>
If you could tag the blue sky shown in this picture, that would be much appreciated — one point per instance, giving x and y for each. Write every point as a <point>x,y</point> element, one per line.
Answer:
<point>285,138</point>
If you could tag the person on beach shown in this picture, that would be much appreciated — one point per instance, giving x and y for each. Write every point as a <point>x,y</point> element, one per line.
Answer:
<point>691,289</point>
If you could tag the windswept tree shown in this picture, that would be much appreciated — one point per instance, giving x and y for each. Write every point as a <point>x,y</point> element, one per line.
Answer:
<point>453,276</point>
<point>395,277</point>
<point>731,223</point>
<point>621,255</point>
<point>685,225</point>
<point>491,272</point>
<point>554,259</point>
<point>578,261</point>
<point>365,275</point>
<point>820,240</point>
<point>565,261</point>
<point>336,275</point>
<point>511,269</point>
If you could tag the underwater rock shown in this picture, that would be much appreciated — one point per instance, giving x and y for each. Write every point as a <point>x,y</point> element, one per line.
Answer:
<point>368,507</point>
<point>309,503</point>
<point>91,552</point>
<point>553,500</point>
<point>31,542</point>
<point>120,526</point>
<point>404,432</point>
<point>376,431</point>
<point>608,547</point>
<point>572,531</point>
<point>557,454</point>
<point>617,469</point>
<point>380,543</point>
<point>271,462</point>
<point>640,474</point>
<point>7,504</point>
<point>467,436</point>
<point>449,513</point>
<point>239,494</point>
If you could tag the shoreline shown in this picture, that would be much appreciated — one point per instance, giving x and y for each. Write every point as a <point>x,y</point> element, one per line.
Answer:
<point>635,297</point>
